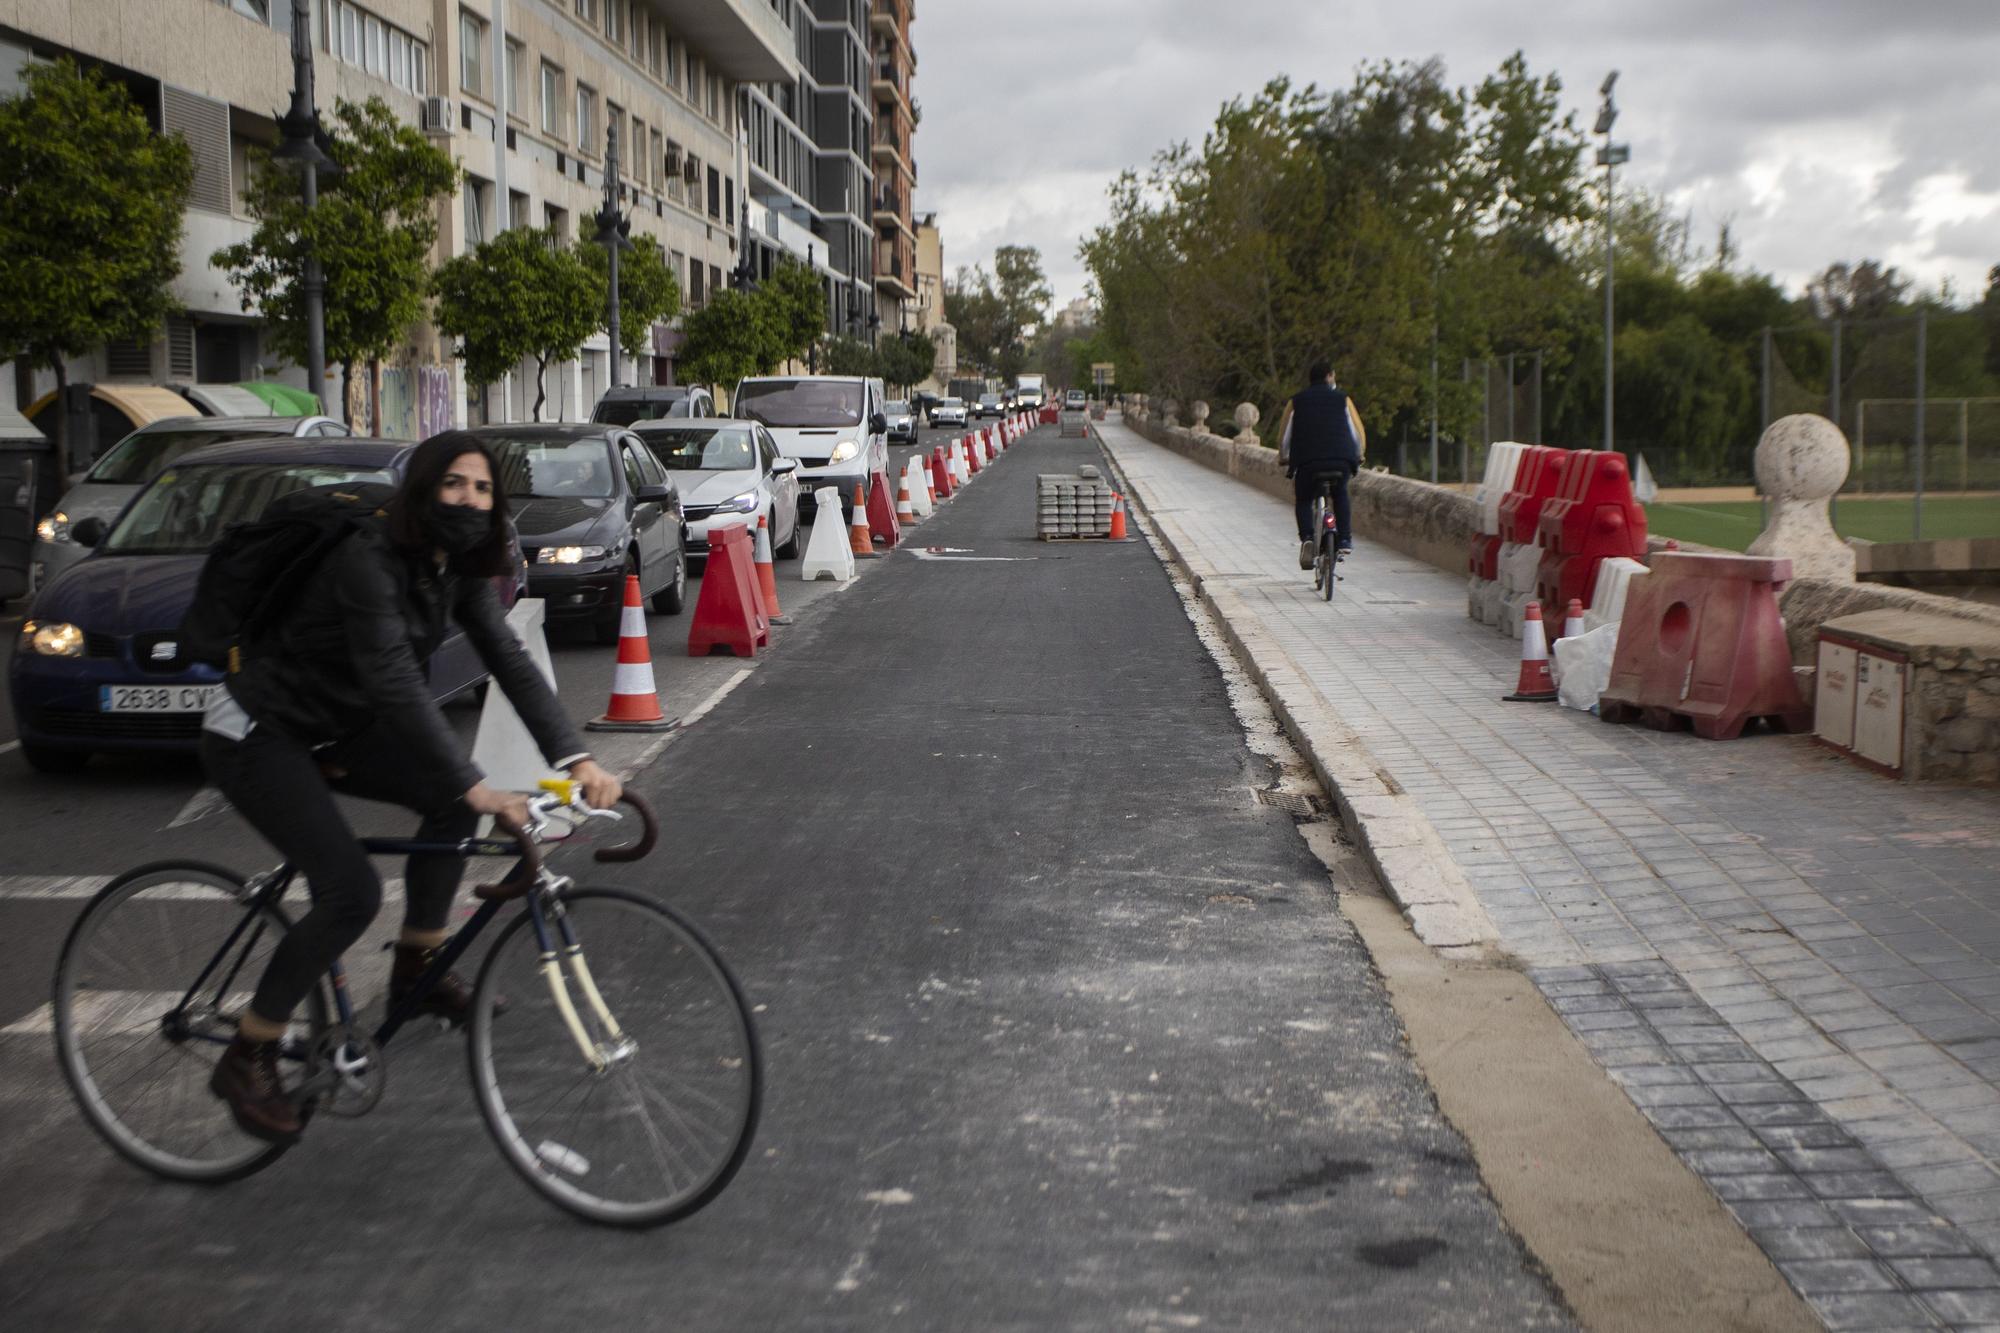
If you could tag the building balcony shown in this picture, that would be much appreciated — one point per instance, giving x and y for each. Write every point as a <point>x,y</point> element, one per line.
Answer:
<point>742,39</point>
<point>888,17</point>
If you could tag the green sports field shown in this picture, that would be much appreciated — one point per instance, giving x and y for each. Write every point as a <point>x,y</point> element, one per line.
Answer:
<point>1733,525</point>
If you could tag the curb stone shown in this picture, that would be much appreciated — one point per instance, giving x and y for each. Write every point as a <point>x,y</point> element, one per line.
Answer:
<point>1394,835</point>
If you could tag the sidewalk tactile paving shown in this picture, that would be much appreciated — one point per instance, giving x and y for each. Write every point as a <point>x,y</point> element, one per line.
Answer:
<point>1804,909</point>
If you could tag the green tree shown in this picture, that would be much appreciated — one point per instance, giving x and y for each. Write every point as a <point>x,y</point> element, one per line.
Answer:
<point>521,295</point>
<point>736,334</point>
<point>372,229</point>
<point>648,291</point>
<point>90,221</point>
<point>798,303</point>
<point>842,355</point>
<point>907,359</point>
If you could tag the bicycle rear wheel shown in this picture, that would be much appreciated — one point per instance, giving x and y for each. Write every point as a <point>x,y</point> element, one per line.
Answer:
<point>137,1039</point>
<point>660,1130</point>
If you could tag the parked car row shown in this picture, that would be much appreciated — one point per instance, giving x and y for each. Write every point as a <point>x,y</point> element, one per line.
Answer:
<point>97,666</point>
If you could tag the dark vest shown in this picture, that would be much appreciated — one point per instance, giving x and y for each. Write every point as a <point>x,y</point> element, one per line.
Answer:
<point>1321,432</point>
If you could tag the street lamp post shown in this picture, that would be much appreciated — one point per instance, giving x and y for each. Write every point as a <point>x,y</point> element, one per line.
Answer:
<point>1609,157</point>
<point>613,231</point>
<point>301,149</point>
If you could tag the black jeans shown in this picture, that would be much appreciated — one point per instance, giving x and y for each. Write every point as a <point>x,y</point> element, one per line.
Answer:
<point>1305,490</point>
<point>282,789</point>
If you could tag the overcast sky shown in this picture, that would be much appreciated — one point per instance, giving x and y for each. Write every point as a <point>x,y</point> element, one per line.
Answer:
<point>1821,130</point>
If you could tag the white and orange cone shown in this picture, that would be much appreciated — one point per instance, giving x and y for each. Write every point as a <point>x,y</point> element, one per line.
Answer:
<point>918,477</point>
<point>1536,685</point>
<point>906,510</point>
<point>1573,619</point>
<point>767,574</point>
<point>635,700</point>
<point>859,540</point>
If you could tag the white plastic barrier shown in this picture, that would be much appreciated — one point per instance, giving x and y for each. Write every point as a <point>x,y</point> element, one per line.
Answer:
<point>1583,666</point>
<point>1519,564</point>
<point>1607,594</point>
<point>1503,462</point>
<point>829,552</point>
<point>502,747</point>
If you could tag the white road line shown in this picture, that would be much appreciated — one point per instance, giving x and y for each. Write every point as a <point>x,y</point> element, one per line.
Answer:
<point>694,715</point>
<point>701,709</point>
<point>9,745</point>
<point>113,1010</point>
<point>28,888</point>
<point>52,886</point>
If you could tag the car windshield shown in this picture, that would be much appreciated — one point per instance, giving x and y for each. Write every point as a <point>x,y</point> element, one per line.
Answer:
<point>896,409</point>
<point>554,469</point>
<point>951,402</point>
<point>141,456</point>
<point>703,448</point>
<point>800,402</point>
<point>988,399</point>
<point>184,511</point>
<point>625,411</point>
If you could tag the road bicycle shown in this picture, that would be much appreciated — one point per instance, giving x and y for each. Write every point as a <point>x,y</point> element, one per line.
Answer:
<point>1327,555</point>
<point>624,1085</point>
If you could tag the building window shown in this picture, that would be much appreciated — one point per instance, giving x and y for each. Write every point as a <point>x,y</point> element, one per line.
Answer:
<point>714,193</point>
<point>676,59</point>
<point>587,11</point>
<point>586,119</point>
<point>517,209</point>
<point>471,49</point>
<point>517,56</point>
<point>659,158</point>
<point>614,123</point>
<point>552,100</point>
<point>253,9</point>
<point>694,80</point>
<point>475,194</point>
<point>557,222</point>
<point>695,298</point>
<point>616,14</point>
<point>656,49</point>
<point>633,153</point>
<point>714,96</point>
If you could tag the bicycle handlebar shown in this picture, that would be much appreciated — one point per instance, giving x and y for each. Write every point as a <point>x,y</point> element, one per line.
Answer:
<point>649,832</point>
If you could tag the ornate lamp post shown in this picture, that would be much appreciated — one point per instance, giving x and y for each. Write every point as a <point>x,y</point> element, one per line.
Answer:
<point>614,232</point>
<point>301,150</point>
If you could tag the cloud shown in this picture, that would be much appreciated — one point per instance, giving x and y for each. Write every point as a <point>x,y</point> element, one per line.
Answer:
<point>1820,129</point>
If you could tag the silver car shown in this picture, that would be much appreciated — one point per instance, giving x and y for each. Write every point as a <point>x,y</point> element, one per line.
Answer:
<point>902,421</point>
<point>124,470</point>
<point>728,471</point>
<point>948,412</point>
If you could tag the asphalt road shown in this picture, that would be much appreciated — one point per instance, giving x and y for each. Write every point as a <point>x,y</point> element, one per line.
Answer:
<point>1062,1024</point>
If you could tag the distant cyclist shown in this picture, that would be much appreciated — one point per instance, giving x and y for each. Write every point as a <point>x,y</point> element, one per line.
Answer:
<point>1323,438</point>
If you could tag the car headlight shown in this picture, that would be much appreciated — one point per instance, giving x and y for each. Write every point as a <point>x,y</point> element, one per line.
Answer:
<point>53,639</point>
<point>745,503</point>
<point>568,555</point>
<point>843,451</point>
<point>54,528</point>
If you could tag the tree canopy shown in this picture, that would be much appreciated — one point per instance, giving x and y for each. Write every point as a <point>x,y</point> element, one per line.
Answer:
<point>648,290</point>
<point>523,294</point>
<point>90,219</point>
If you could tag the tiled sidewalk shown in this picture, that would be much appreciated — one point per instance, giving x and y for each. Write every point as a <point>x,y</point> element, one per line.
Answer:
<point>1829,941</point>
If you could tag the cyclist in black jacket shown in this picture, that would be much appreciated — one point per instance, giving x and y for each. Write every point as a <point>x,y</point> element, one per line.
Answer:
<point>1324,439</point>
<point>337,700</point>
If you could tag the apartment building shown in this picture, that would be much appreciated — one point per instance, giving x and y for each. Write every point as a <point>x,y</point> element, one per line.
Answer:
<point>929,304</point>
<point>892,151</point>
<point>808,169</point>
<point>520,92</point>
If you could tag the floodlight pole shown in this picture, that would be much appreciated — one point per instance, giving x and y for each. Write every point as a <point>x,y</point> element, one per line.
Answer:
<point>1609,157</point>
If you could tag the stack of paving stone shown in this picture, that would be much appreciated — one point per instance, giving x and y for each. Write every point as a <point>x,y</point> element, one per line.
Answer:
<point>1072,506</point>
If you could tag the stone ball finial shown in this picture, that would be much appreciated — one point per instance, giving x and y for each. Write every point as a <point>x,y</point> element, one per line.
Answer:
<point>1200,413</point>
<point>1802,460</point>
<point>1247,416</point>
<point>1801,457</point>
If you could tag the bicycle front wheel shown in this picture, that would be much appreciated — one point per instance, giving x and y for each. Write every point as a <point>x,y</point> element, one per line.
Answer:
<point>657,1122</point>
<point>148,989</point>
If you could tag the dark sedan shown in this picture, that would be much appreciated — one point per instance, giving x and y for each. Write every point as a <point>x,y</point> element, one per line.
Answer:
<point>592,505</point>
<point>98,667</point>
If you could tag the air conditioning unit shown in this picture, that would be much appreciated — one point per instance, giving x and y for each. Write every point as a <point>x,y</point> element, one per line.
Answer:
<point>674,159</point>
<point>436,117</point>
<point>691,171</point>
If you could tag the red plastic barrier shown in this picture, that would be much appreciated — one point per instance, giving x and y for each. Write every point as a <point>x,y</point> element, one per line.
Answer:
<point>1535,483</point>
<point>729,616</point>
<point>882,524</point>
<point>1702,645</point>
<point>974,445</point>
<point>1594,517</point>
<point>940,474</point>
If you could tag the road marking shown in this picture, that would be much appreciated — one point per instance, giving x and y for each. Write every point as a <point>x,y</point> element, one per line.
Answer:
<point>52,886</point>
<point>694,715</point>
<point>200,805</point>
<point>948,553</point>
<point>28,888</point>
<point>10,745</point>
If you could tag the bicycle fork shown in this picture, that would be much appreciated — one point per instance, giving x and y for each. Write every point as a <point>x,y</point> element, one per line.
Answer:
<point>598,1055</point>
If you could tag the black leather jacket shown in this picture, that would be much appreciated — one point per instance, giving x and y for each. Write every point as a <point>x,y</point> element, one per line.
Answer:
<point>353,654</point>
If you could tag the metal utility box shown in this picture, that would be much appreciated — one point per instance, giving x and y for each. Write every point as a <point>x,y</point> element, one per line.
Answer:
<point>1862,701</point>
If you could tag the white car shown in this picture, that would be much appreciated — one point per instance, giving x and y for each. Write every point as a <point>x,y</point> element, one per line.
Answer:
<point>948,412</point>
<point>728,471</point>
<point>1075,401</point>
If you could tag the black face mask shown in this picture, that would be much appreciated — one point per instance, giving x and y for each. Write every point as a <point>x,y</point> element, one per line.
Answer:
<point>458,529</point>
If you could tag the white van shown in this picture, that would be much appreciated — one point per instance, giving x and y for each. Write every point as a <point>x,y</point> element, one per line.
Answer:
<point>833,424</point>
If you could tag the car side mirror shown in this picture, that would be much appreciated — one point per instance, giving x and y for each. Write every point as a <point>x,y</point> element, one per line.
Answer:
<point>878,424</point>
<point>660,493</point>
<point>88,531</point>
<point>781,467</point>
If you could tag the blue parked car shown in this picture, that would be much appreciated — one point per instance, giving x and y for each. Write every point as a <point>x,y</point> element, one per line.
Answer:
<point>97,667</point>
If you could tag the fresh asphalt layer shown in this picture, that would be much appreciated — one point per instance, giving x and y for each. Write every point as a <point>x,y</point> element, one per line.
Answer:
<point>1063,1026</point>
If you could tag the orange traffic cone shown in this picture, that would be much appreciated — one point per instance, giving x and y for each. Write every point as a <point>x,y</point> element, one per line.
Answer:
<point>858,538</point>
<point>635,702</point>
<point>767,575</point>
<point>1536,685</point>
<point>1117,517</point>
<point>1573,619</point>
<point>906,512</point>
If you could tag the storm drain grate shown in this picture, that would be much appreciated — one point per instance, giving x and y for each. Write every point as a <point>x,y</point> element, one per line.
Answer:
<point>1302,804</point>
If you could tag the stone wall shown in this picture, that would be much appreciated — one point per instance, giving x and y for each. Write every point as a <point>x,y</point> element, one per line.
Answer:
<point>1809,603</point>
<point>1428,522</point>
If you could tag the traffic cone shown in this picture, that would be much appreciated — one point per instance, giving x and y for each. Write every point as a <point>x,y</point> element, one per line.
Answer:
<point>858,539</point>
<point>882,524</point>
<point>1573,619</point>
<point>1536,685</point>
<point>767,575</point>
<point>940,475</point>
<point>972,459</point>
<point>1117,517</point>
<point>906,509</point>
<point>635,701</point>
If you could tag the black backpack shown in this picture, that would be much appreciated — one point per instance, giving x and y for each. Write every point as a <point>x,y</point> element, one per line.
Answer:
<point>256,570</point>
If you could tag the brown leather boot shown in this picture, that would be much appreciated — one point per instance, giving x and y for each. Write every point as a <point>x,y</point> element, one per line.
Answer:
<point>246,1077</point>
<point>450,999</point>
